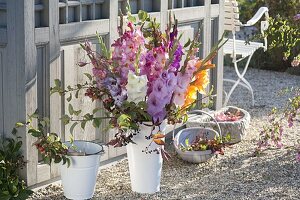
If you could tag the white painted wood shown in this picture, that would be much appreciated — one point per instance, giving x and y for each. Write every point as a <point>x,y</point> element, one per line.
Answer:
<point>43,173</point>
<point>163,14</point>
<point>55,72</point>
<point>231,16</point>
<point>194,14</point>
<point>41,35</point>
<point>20,85</point>
<point>217,79</point>
<point>83,30</point>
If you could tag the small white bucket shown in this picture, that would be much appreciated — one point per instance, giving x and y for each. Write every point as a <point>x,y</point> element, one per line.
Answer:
<point>79,179</point>
<point>145,169</point>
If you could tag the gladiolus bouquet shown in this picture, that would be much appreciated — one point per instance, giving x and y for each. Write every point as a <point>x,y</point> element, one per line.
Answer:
<point>148,76</point>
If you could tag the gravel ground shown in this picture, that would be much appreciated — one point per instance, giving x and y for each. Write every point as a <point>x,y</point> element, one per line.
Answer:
<point>237,174</point>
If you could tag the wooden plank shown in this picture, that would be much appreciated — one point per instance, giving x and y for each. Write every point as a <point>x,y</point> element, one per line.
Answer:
<point>215,10</point>
<point>3,37</point>
<point>41,35</point>
<point>113,35</point>
<point>55,72</point>
<point>163,14</point>
<point>21,70</point>
<point>43,173</point>
<point>82,30</point>
<point>194,14</point>
<point>75,75</point>
<point>218,72</point>
<point>206,40</point>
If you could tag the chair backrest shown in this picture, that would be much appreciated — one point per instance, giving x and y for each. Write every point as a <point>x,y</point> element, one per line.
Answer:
<point>231,14</point>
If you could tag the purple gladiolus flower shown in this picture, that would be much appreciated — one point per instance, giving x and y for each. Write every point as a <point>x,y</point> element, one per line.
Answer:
<point>159,88</point>
<point>156,108</point>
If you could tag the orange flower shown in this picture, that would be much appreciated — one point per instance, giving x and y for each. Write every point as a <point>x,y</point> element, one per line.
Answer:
<point>201,81</point>
<point>199,84</point>
<point>207,65</point>
<point>190,96</point>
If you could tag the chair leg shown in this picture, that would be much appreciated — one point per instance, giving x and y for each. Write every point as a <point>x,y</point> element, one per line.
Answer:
<point>241,80</point>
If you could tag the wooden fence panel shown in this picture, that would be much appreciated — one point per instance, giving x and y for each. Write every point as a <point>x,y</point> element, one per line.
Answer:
<point>46,38</point>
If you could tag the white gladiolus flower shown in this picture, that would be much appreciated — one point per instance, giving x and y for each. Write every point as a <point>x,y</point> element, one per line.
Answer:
<point>136,87</point>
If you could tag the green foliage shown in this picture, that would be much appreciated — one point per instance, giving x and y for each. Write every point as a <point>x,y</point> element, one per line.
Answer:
<point>248,8</point>
<point>286,9</point>
<point>282,33</point>
<point>216,145</point>
<point>11,161</point>
<point>48,144</point>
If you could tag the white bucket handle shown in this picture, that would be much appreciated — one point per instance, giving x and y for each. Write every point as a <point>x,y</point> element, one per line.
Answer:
<point>202,112</point>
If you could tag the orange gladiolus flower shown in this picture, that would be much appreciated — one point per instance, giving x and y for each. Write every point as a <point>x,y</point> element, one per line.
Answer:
<point>201,81</point>
<point>199,85</point>
<point>207,65</point>
<point>190,96</point>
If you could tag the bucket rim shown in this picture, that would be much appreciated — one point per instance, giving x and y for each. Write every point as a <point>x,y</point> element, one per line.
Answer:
<point>88,154</point>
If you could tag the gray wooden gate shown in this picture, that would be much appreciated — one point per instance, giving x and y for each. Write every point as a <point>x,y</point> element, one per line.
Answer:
<point>39,43</point>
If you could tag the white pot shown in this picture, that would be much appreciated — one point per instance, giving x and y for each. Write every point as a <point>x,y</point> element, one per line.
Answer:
<point>145,168</point>
<point>79,179</point>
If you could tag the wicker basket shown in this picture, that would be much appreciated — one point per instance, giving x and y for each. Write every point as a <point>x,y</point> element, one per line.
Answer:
<point>236,129</point>
<point>191,134</point>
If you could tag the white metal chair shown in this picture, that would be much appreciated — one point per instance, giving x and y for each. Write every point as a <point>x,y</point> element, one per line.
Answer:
<point>239,48</point>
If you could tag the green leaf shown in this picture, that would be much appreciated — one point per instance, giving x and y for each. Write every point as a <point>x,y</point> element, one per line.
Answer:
<point>18,146</point>
<point>47,160</point>
<point>88,116</point>
<point>187,142</point>
<point>187,43</point>
<point>96,122</point>
<point>79,86</point>
<point>65,119</point>
<point>14,131</point>
<point>131,18</point>
<point>34,132</point>
<point>19,124</point>
<point>77,94</point>
<point>142,15</point>
<point>128,7</point>
<point>57,82</point>
<point>71,109</point>
<point>72,139</point>
<point>96,110</point>
<point>72,127</point>
<point>123,120</point>
<point>4,195</point>
<point>83,123</point>
<point>89,76</point>
<point>104,50</point>
<point>69,98</point>
<point>68,162</point>
<point>57,159</point>
<point>47,121</point>
<point>77,112</point>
